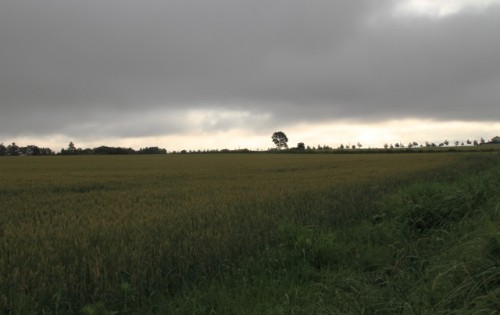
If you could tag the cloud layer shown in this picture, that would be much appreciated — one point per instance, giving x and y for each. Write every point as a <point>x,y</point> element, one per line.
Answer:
<point>134,68</point>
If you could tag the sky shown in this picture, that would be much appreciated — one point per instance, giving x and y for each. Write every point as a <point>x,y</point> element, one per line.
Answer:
<point>198,74</point>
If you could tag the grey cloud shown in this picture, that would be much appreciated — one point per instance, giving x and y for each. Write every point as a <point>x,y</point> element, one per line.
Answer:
<point>92,67</point>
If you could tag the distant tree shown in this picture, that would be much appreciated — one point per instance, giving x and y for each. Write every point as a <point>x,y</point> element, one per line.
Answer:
<point>3,149</point>
<point>415,144</point>
<point>396,145</point>
<point>457,143</point>
<point>446,142</point>
<point>105,150</point>
<point>475,143</point>
<point>341,147</point>
<point>386,146</point>
<point>280,140</point>
<point>301,146</point>
<point>86,151</point>
<point>482,141</point>
<point>71,148</point>
<point>359,145</point>
<point>353,147</point>
<point>46,151</point>
<point>155,150</point>
<point>13,149</point>
<point>468,142</point>
<point>32,150</point>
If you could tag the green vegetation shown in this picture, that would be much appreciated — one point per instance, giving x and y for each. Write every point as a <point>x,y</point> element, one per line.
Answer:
<point>250,234</point>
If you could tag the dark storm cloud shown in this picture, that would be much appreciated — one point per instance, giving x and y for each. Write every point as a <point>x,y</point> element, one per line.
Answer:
<point>137,68</point>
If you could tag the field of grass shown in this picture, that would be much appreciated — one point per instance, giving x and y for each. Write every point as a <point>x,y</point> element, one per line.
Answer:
<point>156,234</point>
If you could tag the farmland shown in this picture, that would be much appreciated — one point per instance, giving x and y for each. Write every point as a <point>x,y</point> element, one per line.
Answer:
<point>83,234</point>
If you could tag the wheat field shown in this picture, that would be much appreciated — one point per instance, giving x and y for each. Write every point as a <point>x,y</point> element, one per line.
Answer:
<point>75,230</point>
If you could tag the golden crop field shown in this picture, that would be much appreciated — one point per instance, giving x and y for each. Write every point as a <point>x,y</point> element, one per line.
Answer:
<point>74,229</point>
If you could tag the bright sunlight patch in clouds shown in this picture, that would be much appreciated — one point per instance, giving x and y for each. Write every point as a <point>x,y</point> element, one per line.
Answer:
<point>442,8</point>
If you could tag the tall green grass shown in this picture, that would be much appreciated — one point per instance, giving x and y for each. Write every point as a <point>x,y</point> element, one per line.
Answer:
<point>432,247</point>
<point>142,234</point>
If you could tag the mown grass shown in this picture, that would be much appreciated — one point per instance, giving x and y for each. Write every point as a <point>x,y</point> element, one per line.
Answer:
<point>233,234</point>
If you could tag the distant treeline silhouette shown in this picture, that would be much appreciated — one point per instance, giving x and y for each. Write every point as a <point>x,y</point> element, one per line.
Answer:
<point>279,139</point>
<point>14,150</point>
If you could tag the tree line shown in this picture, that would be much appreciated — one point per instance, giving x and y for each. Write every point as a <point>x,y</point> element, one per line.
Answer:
<point>14,150</point>
<point>105,150</point>
<point>279,138</point>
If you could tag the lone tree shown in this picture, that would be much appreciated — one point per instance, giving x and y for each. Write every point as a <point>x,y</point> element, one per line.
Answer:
<point>280,140</point>
<point>71,148</point>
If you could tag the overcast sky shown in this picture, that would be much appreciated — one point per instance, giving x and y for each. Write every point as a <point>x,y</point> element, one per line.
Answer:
<point>200,74</point>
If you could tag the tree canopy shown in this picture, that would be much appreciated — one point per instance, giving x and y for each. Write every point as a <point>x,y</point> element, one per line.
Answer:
<point>280,140</point>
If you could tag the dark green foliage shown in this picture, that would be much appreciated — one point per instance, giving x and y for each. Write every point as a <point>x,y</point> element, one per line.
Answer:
<point>14,150</point>
<point>96,309</point>
<point>152,150</point>
<point>427,206</point>
<point>280,140</point>
<point>106,150</point>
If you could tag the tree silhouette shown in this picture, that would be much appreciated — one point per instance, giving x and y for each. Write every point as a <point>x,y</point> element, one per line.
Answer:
<point>71,148</point>
<point>280,140</point>
<point>13,149</point>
